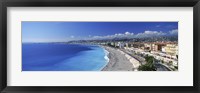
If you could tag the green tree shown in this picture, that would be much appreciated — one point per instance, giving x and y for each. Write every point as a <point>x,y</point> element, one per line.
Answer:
<point>170,62</point>
<point>162,61</point>
<point>149,66</point>
<point>176,67</point>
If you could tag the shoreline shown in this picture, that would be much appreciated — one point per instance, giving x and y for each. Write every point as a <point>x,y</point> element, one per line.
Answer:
<point>119,61</point>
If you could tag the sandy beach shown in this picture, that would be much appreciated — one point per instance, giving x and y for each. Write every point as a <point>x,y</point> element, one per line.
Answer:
<point>119,61</point>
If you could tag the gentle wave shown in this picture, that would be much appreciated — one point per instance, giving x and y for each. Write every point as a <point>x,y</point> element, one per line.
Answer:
<point>106,55</point>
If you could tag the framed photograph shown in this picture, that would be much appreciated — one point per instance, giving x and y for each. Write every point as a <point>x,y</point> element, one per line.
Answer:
<point>99,46</point>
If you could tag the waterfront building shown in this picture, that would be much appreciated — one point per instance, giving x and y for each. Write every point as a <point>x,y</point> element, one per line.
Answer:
<point>157,46</point>
<point>147,46</point>
<point>112,43</point>
<point>171,49</point>
<point>120,45</point>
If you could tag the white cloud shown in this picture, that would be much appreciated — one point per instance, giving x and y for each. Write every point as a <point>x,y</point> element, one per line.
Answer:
<point>117,35</point>
<point>154,33</point>
<point>173,32</point>
<point>127,34</point>
<point>131,35</point>
<point>150,33</point>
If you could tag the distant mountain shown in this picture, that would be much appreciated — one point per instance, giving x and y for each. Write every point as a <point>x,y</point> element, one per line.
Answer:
<point>128,39</point>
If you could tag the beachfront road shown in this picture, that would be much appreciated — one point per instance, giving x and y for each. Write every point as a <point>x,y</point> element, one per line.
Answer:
<point>161,67</point>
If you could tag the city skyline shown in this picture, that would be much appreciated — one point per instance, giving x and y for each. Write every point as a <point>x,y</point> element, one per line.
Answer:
<point>68,31</point>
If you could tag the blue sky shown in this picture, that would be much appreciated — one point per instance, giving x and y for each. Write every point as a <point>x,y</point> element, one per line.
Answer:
<point>66,31</point>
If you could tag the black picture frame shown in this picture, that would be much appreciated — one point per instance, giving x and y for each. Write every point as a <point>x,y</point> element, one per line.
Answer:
<point>98,3</point>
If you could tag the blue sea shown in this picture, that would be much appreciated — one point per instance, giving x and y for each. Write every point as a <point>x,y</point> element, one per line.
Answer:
<point>62,57</point>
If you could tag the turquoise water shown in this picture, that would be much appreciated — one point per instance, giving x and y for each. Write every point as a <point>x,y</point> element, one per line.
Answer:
<point>62,57</point>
